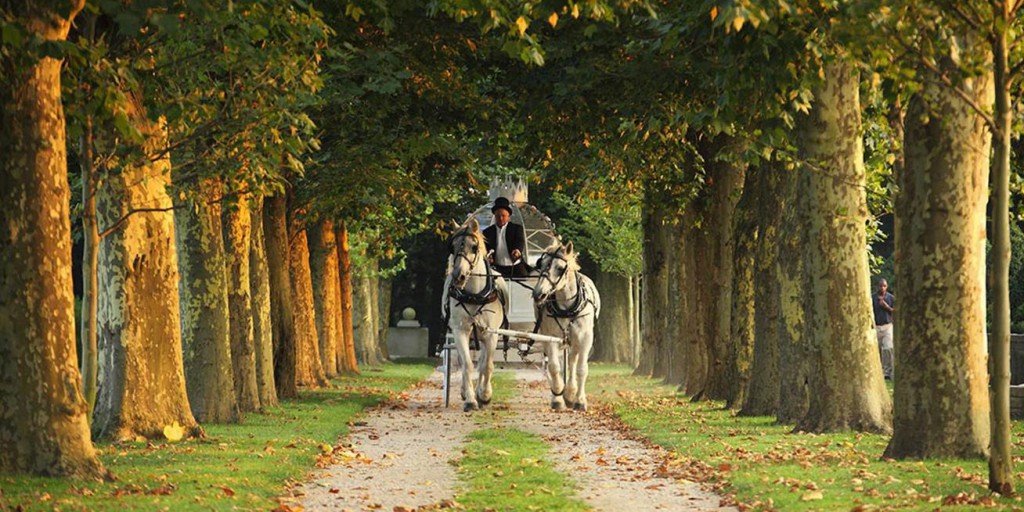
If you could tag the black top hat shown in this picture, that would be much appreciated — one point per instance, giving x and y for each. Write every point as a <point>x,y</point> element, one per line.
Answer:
<point>501,202</point>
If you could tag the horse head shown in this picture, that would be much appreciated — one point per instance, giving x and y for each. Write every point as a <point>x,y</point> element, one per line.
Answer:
<point>467,247</point>
<point>554,265</point>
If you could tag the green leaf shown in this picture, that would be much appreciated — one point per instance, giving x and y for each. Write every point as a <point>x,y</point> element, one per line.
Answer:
<point>11,34</point>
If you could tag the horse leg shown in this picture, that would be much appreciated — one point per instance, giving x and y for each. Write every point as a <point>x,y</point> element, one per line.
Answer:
<point>468,395</point>
<point>488,344</point>
<point>570,376</point>
<point>554,353</point>
<point>583,368</point>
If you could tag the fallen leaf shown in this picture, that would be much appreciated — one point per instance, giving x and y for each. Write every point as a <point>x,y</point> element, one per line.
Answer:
<point>812,496</point>
<point>174,432</point>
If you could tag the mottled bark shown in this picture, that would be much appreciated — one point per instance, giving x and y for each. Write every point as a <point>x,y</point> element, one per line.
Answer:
<point>347,347</point>
<point>847,389</point>
<point>654,293</point>
<point>694,302</point>
<point>365,323</point>
<point>141,374</point>
<point>794,356</point>
<point>282,314</point>
<point>612,343</point>
<point>763,393</point>
<point>238,223</point>
<point>43,416</point>
<point>323,265</point>
<point>941,387</point>
<point>205,330</point>
<point>308,370</point>
<point>724,189</point>
<point>262,326</point>
<point>741,340</point>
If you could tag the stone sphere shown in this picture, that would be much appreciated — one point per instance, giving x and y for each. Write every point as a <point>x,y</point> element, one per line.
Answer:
<point>408,314</point>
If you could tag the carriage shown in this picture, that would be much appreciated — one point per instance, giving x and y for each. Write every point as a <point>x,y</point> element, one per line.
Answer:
<point>540,234</point>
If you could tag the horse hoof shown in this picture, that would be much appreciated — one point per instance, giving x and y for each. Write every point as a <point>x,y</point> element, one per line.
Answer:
<point>483,402</point>
<point>579,406</point>
<point>556,405</point>
<point>469,407</point>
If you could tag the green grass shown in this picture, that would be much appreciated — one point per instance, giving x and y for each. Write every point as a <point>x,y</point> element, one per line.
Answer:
<point>765,466</point>
<point>506,469</point>
<point>236,467</point>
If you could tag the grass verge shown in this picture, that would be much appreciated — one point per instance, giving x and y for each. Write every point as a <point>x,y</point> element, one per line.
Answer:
<point>768,468</point>
<point>506,469</point>
<point>236,467</point>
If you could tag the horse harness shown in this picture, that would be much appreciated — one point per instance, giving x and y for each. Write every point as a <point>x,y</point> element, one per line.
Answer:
<point>564,317</point>
<point>488,295</point>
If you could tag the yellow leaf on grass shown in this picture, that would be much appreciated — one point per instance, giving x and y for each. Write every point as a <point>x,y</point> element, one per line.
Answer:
<point>553,19</point>
<point>174,432</point>
<point>812,496</point>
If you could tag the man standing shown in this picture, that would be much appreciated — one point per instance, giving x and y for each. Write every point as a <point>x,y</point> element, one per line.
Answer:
<point>883,304</point>
<point>507,240</point>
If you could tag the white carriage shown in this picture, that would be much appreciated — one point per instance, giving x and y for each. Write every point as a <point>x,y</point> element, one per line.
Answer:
<point>540,234</point>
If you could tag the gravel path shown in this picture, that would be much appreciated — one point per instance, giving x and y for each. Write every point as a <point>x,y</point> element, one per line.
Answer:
<point>400,456</point>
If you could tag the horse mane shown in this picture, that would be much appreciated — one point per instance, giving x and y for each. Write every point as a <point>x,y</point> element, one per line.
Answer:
<point>464,231</point>
<point>558,249</point>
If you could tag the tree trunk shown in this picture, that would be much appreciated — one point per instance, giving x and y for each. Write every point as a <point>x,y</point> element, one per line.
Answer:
<point>282,314</point>
<point>633,354</point>
<point>309,372</point>
<point>237,244</point>
<point>692,303</point>
<point>636,313</point>
<point>323,264</point>
<point>205,330</point>
<point>142,380</point>
<point>44,427</point>
<point>724,189</point>
<point>848,389</point>
<point>347,348</point>
<point>1001,458</point>
<point>90,268</point>
<point>741,339</point>
<point>653,320</point>
<point>794,357</point>
<point>365,322</point>
<point>763,393</point>
<point>383,316</point>
<point>941,392</point>
<point>262,326</point>
<point>612,332</point>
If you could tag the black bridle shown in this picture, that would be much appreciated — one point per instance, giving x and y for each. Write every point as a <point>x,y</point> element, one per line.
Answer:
<point>579,302</point>
<point>489,293</point>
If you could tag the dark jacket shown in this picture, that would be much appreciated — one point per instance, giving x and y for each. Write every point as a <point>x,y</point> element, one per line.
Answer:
<point>515,238</point>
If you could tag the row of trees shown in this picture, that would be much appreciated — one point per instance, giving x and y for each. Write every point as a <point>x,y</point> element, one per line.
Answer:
<point>750,151</point>
<point>765,138</point>
<point>224,155</point>
<point>751,143</point>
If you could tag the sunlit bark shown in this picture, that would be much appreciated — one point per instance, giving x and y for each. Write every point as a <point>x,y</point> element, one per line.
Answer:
<point>43,424</point>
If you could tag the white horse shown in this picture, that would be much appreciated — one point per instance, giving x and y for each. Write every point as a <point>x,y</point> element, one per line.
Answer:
<point>474,297</point>
<point>567,306</point>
